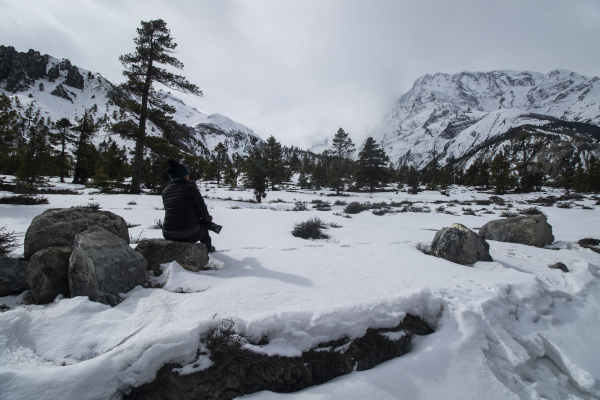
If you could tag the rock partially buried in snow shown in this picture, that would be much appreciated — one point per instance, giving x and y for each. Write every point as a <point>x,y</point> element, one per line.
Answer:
<point>191,256</point>
<point>13,276</point>
<point>57,227</point>
<point>48,274</point>
<point>461,245</point>
<point>560,266</point>
<point>531,230</point>
<point>103,265</point>
<point>590,243</point>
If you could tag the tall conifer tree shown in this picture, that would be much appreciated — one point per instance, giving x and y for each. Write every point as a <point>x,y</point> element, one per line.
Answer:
<point>372,163</point>
<point>154,44</point>
<point>342,147</point>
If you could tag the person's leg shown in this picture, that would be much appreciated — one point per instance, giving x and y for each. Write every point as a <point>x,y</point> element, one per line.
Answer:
<point>207,241</point>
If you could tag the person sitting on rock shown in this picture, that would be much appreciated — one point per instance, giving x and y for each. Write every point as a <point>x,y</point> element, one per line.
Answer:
<point>186,216</point>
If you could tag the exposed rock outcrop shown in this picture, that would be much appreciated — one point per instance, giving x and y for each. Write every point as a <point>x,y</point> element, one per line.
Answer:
<point>590,243</point>
<point>460,245</point>
<point>25,68</point>
<point>57,227</point>
<point>48,274</point>
<point>238,371</point>
<point>191,256</point>
<point>74,78</point>
<point>103,265</point>
<point>60,91</point>
<point>13,276</point>
<point>531,230</point>
<point>7,53</point>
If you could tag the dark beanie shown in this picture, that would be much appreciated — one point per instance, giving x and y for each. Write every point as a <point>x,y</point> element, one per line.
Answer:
<point>176,170</point>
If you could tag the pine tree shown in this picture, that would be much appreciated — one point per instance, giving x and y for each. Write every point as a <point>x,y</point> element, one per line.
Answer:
<point>413,178</point>
<point>220,162</point>
<point>230,176</point>
<point>500,174</point>
<point>274,164</point>
<point>371,166</point>
<point>342,147</point>
<point>255,174</point>
<point>525,181</point>
<point>9,135</point>
<point>86,128</point>
<point>154,45</point>
<point>36,154</point>
<point>318,176</point>
<point>63,137</point>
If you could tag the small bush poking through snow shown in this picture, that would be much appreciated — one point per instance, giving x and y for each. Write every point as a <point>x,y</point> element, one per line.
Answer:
<point>508,214</point>
<point>355,207</point>
<point>497,200</point>
<point>92,205</point>
<point>440,209</point>
<point>334,225</point>
<point>223,340</point>
<point>322,206</point>
<point>235,207</point>
<point>419,209</point>
<point>159,224</point>
<point>24,200</point>
<point>340,203</point>
<point>132,203</point>
<point>8,241</point>
<point>483,202</point>
<point>530,211</point>
<point>468,211</point>
<point>299,206</point>
<point>311,229</point>
<point>380,211</point>
<point>563,204</point>
<point>137,239</point>
<point>130,225</point>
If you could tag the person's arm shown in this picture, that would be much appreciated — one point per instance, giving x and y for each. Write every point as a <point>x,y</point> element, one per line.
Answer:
<point>199,204</point>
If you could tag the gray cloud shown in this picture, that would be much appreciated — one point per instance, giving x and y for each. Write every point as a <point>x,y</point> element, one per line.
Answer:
<point>299,70</point>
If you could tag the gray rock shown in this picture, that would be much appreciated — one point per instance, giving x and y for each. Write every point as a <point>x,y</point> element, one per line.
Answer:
<point>60,91</point>
<point>74,78</point>
<point>48,274</point>
<point>7,53</point>
<point>13,276</point>
<point>103,265</point>
<point>531,230</point>
<point>57,227</point>
<point>25,68</point>
<point>191,256</point>
<point>53,73</point>
<point>560,266</point>
<point>590,243</point>
<point>461,245</point>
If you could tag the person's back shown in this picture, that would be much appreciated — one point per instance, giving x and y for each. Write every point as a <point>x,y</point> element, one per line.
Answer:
<point>186,215</point>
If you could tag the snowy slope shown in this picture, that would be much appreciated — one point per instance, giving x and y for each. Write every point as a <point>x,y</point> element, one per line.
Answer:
<point>508,329</point>
<point>458,112</point>
<point>96,91</point>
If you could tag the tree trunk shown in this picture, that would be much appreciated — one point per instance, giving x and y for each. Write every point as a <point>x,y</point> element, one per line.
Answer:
<point>136,175</point>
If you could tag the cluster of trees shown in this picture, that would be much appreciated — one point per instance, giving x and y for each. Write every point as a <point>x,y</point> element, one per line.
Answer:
<point>33,147</point>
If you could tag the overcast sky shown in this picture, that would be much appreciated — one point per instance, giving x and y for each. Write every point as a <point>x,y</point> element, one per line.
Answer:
<point>299,70</point>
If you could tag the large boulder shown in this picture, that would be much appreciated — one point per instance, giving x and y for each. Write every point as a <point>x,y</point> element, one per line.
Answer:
<point>461,245</point>
<point>57,227</point>
<point>48,274</point>
<point>531,230</point>
<point>13,276</point>
<point>191,256</point>
<point>103,265</point>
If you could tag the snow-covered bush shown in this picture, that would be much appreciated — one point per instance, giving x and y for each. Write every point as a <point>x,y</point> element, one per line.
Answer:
<point>299,206</point>
<point>355,207</point>
<point>311,229</point>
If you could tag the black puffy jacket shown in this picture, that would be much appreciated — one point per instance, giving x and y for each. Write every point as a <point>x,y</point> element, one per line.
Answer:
<point>184,206</point>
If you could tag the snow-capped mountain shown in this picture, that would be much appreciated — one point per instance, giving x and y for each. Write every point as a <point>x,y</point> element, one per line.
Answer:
<point>60,89</point>
<point>459,114</point>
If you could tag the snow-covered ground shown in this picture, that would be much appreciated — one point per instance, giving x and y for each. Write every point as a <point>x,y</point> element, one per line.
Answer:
<point>508,329</point>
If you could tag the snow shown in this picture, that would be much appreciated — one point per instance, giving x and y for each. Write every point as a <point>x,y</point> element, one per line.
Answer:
<point>508,329</point>
<point>483,105</point>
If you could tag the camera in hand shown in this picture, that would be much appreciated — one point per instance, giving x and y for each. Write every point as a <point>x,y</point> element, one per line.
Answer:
<point>214,227</point>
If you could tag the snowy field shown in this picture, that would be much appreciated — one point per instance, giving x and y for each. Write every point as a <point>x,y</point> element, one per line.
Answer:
<point>508,329</point>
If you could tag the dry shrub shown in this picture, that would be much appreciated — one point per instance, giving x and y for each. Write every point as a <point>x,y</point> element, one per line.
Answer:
<point>355,207</point>
<point>310,229</point>
<point>25,200</point>
<point>8,241</point>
